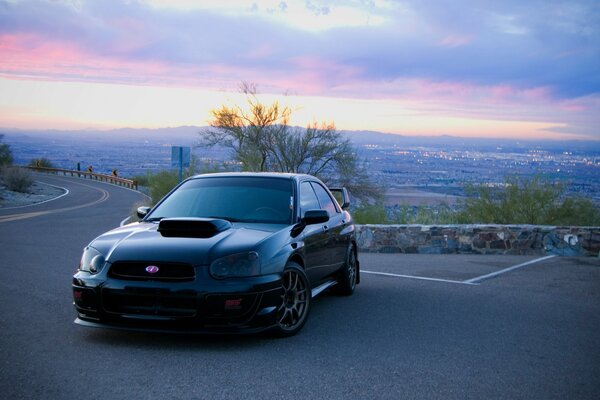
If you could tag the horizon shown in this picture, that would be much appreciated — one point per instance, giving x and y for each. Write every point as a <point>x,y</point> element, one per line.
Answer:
<point>516,70</point>
<point>180,135</point>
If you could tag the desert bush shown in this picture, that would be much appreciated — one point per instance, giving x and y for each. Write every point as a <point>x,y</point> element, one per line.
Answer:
<point>527,201</point>
<point>41,162</point>
<point>5,154</point>
<point>17,179</point>
<point>161,183</point>
<point>370,214</point>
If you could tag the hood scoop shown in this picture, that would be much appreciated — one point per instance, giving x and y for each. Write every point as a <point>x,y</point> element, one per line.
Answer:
<point>192,227</point>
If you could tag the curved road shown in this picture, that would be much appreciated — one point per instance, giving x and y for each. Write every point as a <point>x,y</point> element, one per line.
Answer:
<point>531,333</point>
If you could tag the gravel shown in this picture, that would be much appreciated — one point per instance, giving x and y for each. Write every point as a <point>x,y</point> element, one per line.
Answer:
<point>38,192</point>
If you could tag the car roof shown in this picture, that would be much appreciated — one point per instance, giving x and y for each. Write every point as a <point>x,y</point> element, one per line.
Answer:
<point>279,175</point>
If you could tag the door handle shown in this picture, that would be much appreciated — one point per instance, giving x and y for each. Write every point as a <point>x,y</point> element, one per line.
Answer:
<point>325,228</point>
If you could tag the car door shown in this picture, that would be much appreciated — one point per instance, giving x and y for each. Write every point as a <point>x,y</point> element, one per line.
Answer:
<point>337,244</point>
<point>317,255</point>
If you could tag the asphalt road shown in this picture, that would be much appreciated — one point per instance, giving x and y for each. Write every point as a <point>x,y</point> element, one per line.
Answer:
<point>418,327</point>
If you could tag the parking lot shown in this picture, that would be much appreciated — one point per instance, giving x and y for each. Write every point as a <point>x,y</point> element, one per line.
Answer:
<point>463,269</point>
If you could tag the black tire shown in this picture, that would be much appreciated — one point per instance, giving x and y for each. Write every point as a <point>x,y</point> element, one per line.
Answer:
<point>348,275</point>
<point>295,301</point>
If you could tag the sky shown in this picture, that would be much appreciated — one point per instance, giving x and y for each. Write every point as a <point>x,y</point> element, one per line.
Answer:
<point>527,69</point>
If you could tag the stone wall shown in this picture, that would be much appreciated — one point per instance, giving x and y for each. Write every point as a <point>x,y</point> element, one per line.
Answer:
<point>479,239</point>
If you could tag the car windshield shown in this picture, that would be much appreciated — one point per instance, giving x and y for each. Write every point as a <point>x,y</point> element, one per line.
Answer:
<point>237,199</point>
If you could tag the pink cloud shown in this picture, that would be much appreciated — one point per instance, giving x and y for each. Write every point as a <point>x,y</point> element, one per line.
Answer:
<point>317,75</point>
<point>33,56</point>
<point>452,41</point>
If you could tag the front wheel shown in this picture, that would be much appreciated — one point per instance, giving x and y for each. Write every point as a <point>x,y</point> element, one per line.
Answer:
<point>348,275</point>
<point>295,301</point>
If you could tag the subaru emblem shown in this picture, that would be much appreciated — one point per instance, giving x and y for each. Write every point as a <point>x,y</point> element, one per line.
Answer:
<point>152,269</point>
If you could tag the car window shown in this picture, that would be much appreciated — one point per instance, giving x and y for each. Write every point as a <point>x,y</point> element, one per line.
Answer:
<point>308,198</point>
<point>325,200</point>
<point>245,199</point>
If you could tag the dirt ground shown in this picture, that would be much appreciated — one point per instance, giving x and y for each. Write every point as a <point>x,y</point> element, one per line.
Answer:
<point>413,197</point>
<point>37,193</point>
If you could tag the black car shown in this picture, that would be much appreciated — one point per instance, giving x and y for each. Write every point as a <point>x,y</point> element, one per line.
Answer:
<point>233,252</point>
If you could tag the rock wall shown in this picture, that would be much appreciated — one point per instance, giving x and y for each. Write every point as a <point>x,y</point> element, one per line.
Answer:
<point>479,239</point>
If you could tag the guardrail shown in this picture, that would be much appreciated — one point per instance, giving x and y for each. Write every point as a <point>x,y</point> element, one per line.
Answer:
<point>115,180</point>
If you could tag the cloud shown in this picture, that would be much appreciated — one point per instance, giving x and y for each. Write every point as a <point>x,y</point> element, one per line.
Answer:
<point>509,44</point>
<point>525,52</point>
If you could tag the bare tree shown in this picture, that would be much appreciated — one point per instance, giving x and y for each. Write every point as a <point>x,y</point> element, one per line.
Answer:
<point>261,140</point>
<point>248,133</point>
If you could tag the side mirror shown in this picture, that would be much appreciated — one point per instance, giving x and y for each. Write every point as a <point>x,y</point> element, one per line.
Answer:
<point>142,212</point>
<point>312,217</point>
<point>342,197</point>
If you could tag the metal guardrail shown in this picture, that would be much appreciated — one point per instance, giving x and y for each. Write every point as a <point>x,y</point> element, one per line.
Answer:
<point>115,180</point>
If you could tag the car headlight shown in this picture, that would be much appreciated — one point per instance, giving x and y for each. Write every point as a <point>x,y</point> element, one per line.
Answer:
<point>92,260</point>
<point>236,265</point>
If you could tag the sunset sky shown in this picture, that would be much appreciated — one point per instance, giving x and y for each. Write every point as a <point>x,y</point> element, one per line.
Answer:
<point>524,69</point>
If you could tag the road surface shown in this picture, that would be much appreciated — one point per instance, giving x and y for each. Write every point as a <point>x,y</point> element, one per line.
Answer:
<point>418,326</point>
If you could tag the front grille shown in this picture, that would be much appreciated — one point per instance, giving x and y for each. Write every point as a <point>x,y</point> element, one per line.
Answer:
<point>155,302</point>
<point>157,272</point>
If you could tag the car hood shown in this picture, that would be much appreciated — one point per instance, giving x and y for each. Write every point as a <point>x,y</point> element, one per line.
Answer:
<point>143,242</point>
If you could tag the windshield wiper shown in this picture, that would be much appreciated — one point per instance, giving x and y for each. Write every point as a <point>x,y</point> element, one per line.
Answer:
<point>153,219</point>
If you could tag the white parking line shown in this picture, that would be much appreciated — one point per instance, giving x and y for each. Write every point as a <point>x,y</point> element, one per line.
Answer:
<point>503,271</point>
<point>473,281</point>
<point>422,278</point>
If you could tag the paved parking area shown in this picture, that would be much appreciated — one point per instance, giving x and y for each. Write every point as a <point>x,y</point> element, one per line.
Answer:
<point>463,269</point>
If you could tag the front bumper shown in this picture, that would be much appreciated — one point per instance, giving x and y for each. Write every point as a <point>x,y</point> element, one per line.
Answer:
<point>204,305</point>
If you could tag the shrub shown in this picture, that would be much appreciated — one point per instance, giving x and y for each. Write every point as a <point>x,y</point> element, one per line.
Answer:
<point>17,179</point>
<point>370,214</point>
<point>41,163</point>
<point>527,201</point>
<point>5,154</point>
<point>143,180</point>
<point>161,183</point>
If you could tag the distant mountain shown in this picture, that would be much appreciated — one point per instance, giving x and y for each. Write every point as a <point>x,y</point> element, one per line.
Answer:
<point>182,135</point>
<point>454,142</point>
<point>189,136</point>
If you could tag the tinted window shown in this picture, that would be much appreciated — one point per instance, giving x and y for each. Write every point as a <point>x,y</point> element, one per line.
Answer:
<point>324,199</point>
<point>243,199</point>
<point>308,199</point>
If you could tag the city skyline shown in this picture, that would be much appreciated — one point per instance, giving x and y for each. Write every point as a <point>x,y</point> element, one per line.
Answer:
<point>517,69</point>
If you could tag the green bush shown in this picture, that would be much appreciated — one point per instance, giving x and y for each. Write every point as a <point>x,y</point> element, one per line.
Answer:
<point>17,179</point>
<point>370,214</point>
<point>5,154</point>
<point>161,183</point>
<point>41,163</point>
<point>527,201</point>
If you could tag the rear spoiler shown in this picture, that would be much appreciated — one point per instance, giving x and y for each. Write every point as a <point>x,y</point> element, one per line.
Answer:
<point>342,197</point>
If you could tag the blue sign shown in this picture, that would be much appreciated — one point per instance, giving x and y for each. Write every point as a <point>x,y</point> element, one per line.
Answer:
<point>180,156</point>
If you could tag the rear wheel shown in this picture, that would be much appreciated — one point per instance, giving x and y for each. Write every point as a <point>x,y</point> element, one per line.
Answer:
<point>348,274</point>
<point>295,301</point>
